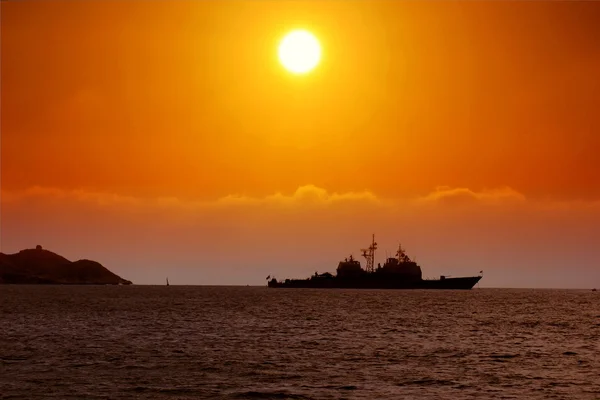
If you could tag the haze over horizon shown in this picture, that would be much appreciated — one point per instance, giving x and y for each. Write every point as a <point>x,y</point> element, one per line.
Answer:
<point>165,138</point>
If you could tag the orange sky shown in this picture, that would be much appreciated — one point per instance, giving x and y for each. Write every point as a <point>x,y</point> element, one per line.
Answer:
<point>111,108</point>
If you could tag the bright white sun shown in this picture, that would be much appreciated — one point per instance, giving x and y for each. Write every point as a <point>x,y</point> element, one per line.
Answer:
<point>299,51</point>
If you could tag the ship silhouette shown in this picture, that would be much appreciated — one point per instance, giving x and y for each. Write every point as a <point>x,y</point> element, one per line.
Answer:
<point>398,272</point>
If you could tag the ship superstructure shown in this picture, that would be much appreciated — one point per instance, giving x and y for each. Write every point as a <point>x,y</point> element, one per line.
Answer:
<point>399,272</point>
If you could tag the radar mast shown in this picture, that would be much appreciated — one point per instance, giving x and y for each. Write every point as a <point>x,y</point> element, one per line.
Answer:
<point>369,255</point>
<point>401,254</point>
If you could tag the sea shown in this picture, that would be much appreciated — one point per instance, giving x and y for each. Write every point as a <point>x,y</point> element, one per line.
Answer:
<point>195,342</point>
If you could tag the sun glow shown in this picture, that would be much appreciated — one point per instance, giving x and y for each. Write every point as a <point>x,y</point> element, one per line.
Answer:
<point>299,51</point>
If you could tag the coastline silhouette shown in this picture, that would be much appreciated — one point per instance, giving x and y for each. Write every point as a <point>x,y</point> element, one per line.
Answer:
<point>39,266</point>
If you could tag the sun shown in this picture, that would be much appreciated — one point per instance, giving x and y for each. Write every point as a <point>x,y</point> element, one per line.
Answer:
<point>299,52</point>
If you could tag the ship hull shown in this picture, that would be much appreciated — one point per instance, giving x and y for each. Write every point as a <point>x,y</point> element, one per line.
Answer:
<point>464,283</point>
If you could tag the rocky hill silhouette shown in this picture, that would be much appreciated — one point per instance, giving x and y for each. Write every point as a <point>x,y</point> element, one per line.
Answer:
<point>39,266</point>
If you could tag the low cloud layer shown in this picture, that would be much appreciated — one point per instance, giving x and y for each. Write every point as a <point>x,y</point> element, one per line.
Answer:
<point>465,196</point>
<point>304,196</point>
<point>307,196</point>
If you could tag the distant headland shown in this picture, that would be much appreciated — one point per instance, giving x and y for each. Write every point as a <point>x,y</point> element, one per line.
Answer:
<point>39,266</point>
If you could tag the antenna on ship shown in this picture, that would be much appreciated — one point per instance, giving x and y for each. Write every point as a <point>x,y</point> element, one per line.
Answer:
<point>369,255</point>
<point>401,254</point>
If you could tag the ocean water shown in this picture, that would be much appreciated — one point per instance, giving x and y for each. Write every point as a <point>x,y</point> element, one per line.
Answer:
<point>144,342</point>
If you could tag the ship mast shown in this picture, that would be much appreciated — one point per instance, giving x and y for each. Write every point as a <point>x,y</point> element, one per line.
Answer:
<point>401,254</point>
<point>369,255</point>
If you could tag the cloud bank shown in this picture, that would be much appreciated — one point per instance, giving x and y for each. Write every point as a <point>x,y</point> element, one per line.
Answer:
<point>305,196</point>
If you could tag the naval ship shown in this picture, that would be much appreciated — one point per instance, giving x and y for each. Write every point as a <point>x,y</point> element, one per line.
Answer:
<point>398,272</point>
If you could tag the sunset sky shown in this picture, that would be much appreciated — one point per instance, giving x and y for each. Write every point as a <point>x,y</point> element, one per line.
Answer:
<point>164,138</point>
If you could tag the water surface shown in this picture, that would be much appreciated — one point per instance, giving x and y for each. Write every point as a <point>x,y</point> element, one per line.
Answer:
<point>256,343</point>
